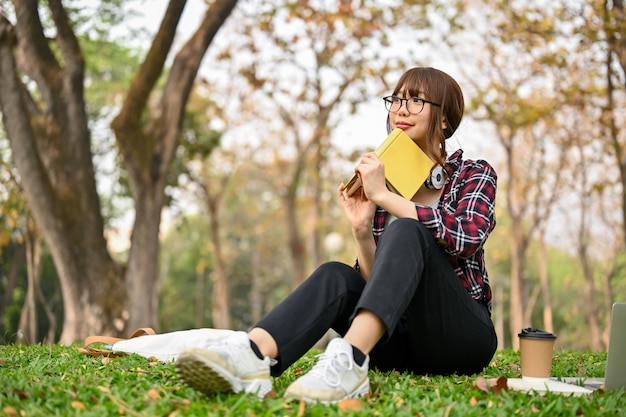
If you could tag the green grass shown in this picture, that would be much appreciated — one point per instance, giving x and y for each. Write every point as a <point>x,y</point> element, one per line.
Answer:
<point>58,380</point>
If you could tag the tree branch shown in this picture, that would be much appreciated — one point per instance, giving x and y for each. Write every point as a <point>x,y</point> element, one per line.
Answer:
<point>168,121</point>
<point>39,61</point>
<point>16,118</point>
<point>150,69</point>
<point>67,41</point>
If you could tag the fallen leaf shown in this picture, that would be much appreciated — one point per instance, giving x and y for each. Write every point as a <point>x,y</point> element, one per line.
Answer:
<point>494,385</point>
<point>297,371</point>
<point>473,401</point>
<point>103,389</point>
<point>301,408</point>
<point>153,394</point>
<point>105,360</point>
<point>10,411</point>
<point>482,384</point>
<point>78,405</point>
<point>271,394</point>
<point>350,404</point>
<point>501,384</point>
<point>22,395</point>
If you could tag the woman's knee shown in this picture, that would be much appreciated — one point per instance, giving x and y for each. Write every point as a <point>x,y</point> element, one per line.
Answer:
<point>336,274</point>
<point>407,225</point>
<point>406,231</point>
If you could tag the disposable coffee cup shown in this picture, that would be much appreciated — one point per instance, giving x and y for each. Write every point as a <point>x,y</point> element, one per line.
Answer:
<point>536,347</point>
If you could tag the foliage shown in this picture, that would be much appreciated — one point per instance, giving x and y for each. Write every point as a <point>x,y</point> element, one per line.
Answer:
<point>55,380</point>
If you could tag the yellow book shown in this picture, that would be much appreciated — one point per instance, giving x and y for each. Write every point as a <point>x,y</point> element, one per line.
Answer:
<point>406,165</point>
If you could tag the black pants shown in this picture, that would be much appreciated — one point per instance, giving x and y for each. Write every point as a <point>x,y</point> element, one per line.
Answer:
<point>432,324</point>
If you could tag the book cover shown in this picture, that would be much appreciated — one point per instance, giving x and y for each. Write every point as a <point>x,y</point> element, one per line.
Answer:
<point>406,165</point>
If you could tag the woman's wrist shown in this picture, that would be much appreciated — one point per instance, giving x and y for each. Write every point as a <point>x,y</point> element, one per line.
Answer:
<point>397,205</point>
<point>362,232</point>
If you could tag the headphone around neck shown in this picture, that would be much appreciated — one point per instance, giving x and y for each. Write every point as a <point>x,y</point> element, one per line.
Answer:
<point>437,178</point>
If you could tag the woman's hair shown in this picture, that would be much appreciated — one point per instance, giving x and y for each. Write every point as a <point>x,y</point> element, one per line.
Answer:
<point>439,87</point>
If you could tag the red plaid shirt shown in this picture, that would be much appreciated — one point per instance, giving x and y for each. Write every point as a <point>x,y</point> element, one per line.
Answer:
<point>462,221</point>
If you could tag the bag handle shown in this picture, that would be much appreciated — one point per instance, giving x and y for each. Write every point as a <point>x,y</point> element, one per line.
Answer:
<point>109,340</point>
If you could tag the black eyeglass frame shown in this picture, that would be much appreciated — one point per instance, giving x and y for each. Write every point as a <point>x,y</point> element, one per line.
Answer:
<point>389,100</point>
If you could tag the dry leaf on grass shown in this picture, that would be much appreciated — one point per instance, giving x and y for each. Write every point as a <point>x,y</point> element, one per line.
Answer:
<point>494,385</point>
<point>21,394</point>
<point>10,411</point>
<point>482,384</point>
<point>153,394</point>
<point>301,408</point>
<point>350,404</point>
<point>78,405</point>
<point>501,384</point>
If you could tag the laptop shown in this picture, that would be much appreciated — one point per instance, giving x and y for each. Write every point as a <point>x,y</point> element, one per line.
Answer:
<point>615,373</point>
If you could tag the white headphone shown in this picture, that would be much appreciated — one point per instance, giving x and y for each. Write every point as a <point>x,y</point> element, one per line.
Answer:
<point>437,178</point>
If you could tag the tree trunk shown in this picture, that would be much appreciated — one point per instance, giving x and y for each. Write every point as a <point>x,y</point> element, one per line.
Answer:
<point>256,289</point>
<point>315,208</point>
<point>28,333</point>
<point>50,143</point>
<point>548,323</point>
<point>148,149</point>
<point>591,307</point>
<point>221,293</point>
<point>296,244</point>
<point>18,259</point>
<point>200,273</point>
<point>516,312</point>
<point>498,310</point>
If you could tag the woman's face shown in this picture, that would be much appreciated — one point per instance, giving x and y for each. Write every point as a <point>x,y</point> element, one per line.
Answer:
<point>414,125</point>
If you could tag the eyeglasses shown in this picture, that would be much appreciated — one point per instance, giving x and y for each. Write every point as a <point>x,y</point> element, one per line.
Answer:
<point>414,105</point>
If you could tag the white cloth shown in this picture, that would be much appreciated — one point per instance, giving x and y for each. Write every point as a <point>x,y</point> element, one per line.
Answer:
<point>165,347</point>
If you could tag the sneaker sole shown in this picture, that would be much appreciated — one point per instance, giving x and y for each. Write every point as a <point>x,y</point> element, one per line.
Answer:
<point>210,378</point>
<point>361,391</point>
<point>202,377</point>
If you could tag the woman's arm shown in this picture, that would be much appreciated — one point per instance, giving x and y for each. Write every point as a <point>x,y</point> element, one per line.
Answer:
<point>365,248</point>
<point>360,212</point>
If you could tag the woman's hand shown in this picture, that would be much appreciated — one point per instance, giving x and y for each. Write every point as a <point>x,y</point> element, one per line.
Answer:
<point>372,173</point>
<point>359,211</point>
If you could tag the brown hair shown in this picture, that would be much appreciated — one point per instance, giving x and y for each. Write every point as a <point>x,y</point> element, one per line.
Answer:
<point>439,87</point>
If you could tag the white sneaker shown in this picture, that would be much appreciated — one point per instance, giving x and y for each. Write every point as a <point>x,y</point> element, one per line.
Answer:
<point>333,378</point>
<point>227,366</point>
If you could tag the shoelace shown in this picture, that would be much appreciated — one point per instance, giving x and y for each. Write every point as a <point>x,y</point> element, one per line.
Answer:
<point>330,366</point>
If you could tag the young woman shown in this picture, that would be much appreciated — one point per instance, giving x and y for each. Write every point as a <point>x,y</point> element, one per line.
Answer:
<point>417,299</point>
